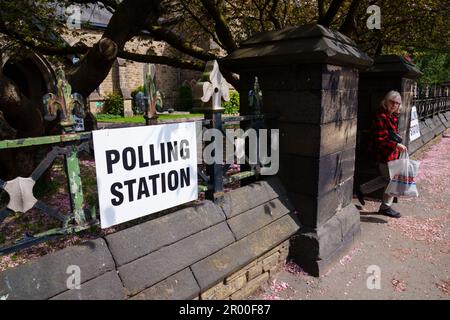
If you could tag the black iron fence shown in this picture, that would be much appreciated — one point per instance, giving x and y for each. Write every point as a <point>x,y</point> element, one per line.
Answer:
<point>431,100</point>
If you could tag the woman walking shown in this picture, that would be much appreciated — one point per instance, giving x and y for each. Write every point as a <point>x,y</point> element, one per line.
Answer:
<point>386,144</point>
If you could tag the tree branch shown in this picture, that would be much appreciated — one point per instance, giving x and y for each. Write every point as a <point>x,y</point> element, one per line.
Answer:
<point>180,44</point>
<point>173,62</point>
<point>223,31</point>
<point>331,13</point>
<point>212,34</point>
<point>272,16</point>
<point>349,24</point>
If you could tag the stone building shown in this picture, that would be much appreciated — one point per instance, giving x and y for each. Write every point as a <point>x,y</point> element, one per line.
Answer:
<point>125,75</point>
<point>33,73</point>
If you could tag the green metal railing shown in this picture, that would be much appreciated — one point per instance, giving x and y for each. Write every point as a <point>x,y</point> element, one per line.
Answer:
<point>78,219</point>
<point>22,198</point>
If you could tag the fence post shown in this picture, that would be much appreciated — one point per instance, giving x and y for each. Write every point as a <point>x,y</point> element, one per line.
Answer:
<point>211,89</point>
<point>215,171</point>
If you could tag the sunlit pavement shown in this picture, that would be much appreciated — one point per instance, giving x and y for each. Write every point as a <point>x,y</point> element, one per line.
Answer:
<point>412,253</point>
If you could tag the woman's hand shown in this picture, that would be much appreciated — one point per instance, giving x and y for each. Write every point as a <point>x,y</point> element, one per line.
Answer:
<point>401,147</point>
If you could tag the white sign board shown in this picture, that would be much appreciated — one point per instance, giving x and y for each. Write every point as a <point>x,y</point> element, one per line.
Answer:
<point>142,170</point>
<point>414,128</point>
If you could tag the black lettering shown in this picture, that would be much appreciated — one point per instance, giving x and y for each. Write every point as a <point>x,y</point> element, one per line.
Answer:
<point>172,151</point>
<point>126,165</point>
<point>184,149</point>
<point>163,182</point>
<point>185,177</point>
<point>129,184</point>
<point>163,152</point>
<point>116,193</point>
<point>173,180</point>
<point>110,160</point>
<point>153,178</point>
<point>153,162</point>
<point>142,163</point>
<point>142,189</point>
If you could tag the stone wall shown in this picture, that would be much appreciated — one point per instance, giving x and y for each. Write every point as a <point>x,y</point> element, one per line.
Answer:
<point>429,129</point>
<point>204,252</point>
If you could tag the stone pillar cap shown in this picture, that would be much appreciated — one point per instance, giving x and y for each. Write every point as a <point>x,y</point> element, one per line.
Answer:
<point>393,65</point>
<point>298,45</point>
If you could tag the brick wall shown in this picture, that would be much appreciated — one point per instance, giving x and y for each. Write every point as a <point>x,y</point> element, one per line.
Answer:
<point>251,278</point>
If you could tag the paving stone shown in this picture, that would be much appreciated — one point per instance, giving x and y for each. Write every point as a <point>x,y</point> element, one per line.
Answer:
<point>47,276</point>
<point>138,241</point>
<point>150,269</point>
<point>180,286</point>
<point>216,267</point>
<point>105,287</point>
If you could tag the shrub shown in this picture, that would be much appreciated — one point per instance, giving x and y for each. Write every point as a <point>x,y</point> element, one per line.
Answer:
<point>232,106</point>
<point>133,102</point>
<point>185,98</point>
<point>113,104</point>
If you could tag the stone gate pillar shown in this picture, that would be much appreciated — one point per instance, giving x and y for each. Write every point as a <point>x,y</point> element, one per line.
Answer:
<point>387,73</point>
<point>309,76</point>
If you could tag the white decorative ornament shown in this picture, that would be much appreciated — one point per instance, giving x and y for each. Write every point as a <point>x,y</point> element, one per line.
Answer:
<point>217,88</point>
<point>21,198</point>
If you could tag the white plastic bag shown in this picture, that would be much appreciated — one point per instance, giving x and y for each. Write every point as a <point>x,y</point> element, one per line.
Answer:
<point>403,173</point>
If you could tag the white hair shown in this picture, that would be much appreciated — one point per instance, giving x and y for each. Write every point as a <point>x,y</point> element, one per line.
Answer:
<point>391,95</point>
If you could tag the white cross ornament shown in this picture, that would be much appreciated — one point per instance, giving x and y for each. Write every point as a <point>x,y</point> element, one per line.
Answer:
<point>217,87</point>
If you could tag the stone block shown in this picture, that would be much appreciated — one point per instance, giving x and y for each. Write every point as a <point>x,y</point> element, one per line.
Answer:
<point>315,107</point>
<point>317,140</point>
<point>135,242</point>
<point>316,250</point>
<point>216,267</point>
<point>271,262</point>
<point>180,286</point>
<point>222,291</point>
<point>251,287</point>
<point>252,196</point>
<point>316,176</point>
<point>47,276</point>
<point>254,271</point>
<point>150,269</point>
<point>239,273</point>
<point>254,219</point>
<point>314,211</point>
<point>106,287</point>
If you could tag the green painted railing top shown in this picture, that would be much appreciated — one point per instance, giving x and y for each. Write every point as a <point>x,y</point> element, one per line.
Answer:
<point>27,142</point>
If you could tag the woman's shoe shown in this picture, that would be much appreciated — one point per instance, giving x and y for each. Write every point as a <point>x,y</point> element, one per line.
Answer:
<point>390,213</point>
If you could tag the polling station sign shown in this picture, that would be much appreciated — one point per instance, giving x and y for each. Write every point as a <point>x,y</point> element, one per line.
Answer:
<point>414,127</point>
<point>143,170</point>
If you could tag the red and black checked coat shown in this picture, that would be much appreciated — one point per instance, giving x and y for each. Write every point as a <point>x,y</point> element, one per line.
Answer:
<point>381,146</point>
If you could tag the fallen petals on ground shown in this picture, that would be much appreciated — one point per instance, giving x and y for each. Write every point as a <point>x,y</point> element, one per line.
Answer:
<point>399,285</point>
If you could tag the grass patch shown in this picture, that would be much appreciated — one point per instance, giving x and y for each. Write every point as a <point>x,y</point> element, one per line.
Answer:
<point>140,118</point>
